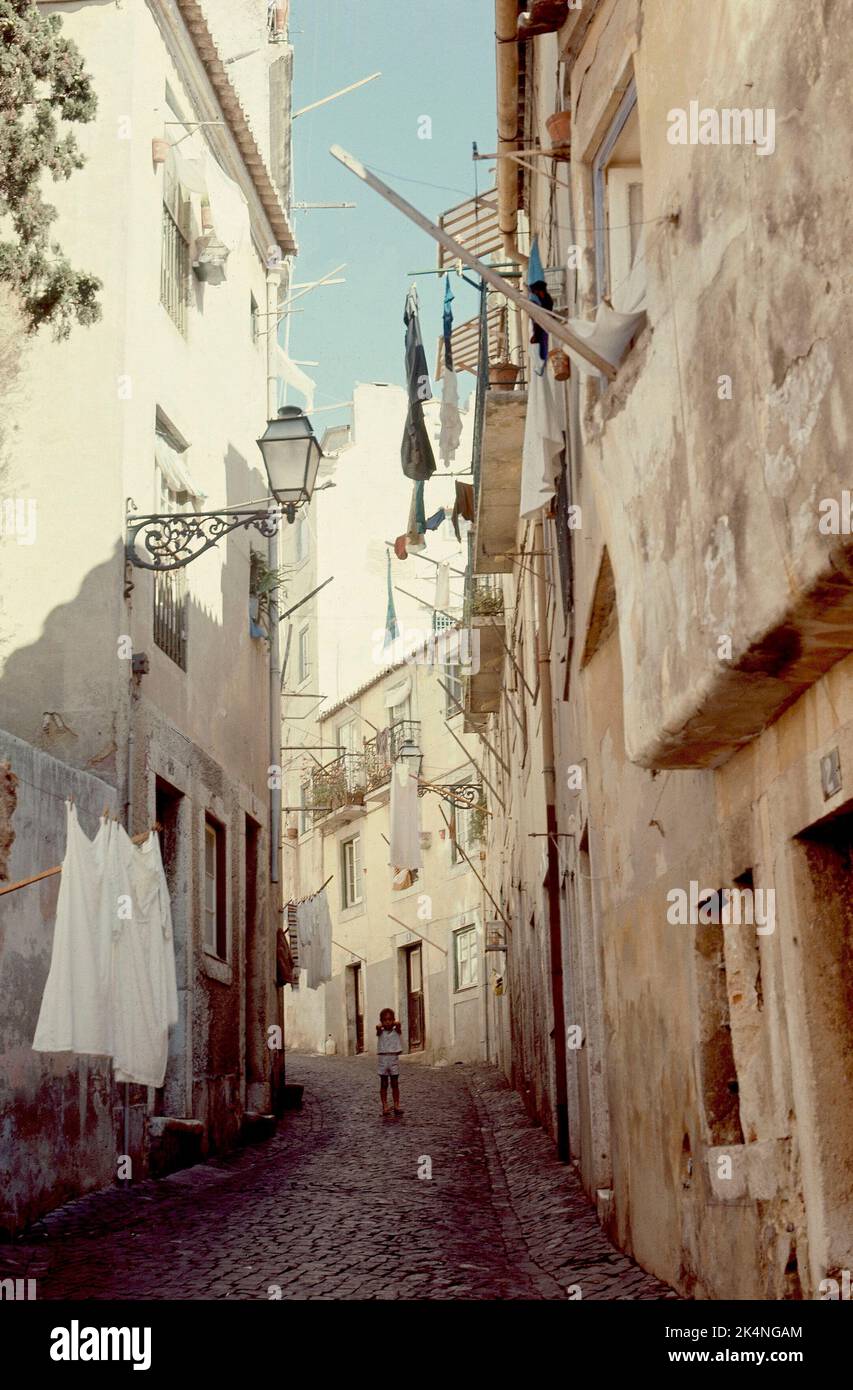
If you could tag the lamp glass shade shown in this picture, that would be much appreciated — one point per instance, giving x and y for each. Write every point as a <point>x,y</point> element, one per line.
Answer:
<point>411,754</point>
<point>291,456</point>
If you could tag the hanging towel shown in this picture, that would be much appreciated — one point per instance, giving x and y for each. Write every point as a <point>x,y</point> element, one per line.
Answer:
<point>75,1014</point>
<point>543,443</point>
<point>463,506</point>
<point>442,586</point>
<point>447,324</point>
<point>608,335</point>
<point>414,533</point>
<point>451,420</point>
<point>416,453</point>
<point>392,627</point>
<point>283,960</point>
<point>144,995</point>
<point>305,937</point>
<point>322,938</point>
<point>537,290</point>
<point>405,842</point>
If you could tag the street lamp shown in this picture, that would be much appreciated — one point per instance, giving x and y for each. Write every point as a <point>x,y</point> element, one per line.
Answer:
<point>410,754</point>
<point>171,540</point>
<point>292,456</point>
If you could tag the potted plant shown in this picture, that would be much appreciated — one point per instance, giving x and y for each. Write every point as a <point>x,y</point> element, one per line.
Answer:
<point>263,582</point>
<point>560,129</point>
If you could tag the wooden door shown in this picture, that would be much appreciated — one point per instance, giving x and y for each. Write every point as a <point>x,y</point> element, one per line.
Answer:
<point>415,994</point>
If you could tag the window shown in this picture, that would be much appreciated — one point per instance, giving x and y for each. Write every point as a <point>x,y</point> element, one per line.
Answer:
<point>170,589</point>
<point>351,870</point>
<point>454,690</point>
<point>175,250</point>
<point>303,660</point>
<point>215,920</point>
<point>466,960</point>
<point>301,538</point>
<point>463,832</point>
<point>618,206</point>
<point>563,536</point>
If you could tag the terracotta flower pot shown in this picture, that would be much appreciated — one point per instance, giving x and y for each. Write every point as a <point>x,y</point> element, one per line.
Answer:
<point>159,151</point>
<point>560,128</point>
<point>292,833</point>
<point>503,373</point>
<point>561,365</point>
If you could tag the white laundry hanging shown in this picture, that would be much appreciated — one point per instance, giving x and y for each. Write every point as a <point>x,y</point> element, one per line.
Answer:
<point>543,439</point>
<point>451,420</point>
<point>144,991</point>
<point>405,841</point>
<point>75,1013</point>
<point>111,989</point>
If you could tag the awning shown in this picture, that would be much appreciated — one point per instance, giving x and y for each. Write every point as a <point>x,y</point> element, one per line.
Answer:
<point>287,371</point>
<point>398,693</point>
<point>175,472</point>
<point>608,335</point>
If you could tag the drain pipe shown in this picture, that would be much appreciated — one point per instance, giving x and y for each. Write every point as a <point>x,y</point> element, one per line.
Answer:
<point>509,140</point>
<point>273,284</point>
<point>552,880</point>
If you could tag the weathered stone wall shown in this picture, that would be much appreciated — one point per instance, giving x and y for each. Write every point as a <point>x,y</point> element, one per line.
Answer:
<point>61,1126</point>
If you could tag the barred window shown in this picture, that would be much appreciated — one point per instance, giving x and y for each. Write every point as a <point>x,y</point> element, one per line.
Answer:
<point>170,591</point>
<point>175,268</point>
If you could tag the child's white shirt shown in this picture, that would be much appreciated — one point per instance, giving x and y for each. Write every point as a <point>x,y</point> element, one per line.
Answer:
<point>389,1042</point>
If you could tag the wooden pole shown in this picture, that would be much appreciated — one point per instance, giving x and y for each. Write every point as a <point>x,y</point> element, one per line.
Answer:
<point>553,325</point>
<point>495,794</point>
<point>477,876</point>
<point>417,933</point>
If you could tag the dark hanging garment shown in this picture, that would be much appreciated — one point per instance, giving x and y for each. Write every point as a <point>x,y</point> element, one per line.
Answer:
<point>284,967</point>
<point>416,453</point>
<point>463,506</point>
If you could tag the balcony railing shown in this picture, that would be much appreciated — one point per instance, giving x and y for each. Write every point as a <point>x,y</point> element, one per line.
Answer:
<point>342,782</point>
<point>381,751</point>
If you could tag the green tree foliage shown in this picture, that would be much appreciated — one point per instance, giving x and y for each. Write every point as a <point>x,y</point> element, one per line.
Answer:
<point>42,83</point>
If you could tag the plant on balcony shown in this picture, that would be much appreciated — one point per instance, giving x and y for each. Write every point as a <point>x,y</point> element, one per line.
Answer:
<point>477,820</point>
<point>487,603</point>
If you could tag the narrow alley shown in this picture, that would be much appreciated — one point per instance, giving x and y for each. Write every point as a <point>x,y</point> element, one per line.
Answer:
<point>333,1208</point>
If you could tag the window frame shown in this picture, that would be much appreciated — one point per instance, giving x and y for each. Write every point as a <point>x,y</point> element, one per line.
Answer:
<point>303,655</point>
<point>215,943</point>
<point>600,160</point>
<point>352,894</point>
<point>469,933</point>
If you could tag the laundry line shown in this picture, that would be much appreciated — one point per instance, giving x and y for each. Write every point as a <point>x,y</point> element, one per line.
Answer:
<point>57,869</point>
<point>297,902</point>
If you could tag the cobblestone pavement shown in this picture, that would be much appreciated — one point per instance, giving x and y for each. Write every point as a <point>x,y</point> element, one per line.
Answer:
<point>333,1208</point>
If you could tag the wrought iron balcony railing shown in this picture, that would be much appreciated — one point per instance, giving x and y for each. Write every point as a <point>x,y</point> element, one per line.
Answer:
<point>341,782</point>
<point>381,751</point>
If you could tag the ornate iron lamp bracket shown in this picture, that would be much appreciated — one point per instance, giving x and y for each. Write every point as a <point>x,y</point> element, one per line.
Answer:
<point>459,793</point>
<point>174,539</point>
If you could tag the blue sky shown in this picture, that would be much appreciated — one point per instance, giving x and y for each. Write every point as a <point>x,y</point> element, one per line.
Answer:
<point>437,59</point>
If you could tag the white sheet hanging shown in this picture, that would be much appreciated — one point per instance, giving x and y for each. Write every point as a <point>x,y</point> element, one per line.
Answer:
<point>228,207</point>
<point>405,840</point>
<point>442,586</point>
<point>144,992</point>
<point>451,420</point>
<point>608,335</point>
<point>543,438</point>
<point>75,1014</point>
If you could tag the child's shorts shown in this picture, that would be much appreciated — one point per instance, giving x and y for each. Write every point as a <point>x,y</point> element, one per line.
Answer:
<point>389,1063</point>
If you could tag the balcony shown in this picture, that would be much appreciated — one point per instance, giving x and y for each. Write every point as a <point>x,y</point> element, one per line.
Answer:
<point>336,791</point>
<point>382,751</point>
<point>484,613</point>
<point>500,413</point>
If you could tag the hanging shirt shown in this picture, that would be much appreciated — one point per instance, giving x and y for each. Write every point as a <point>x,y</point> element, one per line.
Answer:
<point>144,994</point>
<point>75,1013</point>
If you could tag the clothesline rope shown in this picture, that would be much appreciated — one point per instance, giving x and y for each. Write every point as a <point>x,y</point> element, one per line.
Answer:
<point>57,869</point>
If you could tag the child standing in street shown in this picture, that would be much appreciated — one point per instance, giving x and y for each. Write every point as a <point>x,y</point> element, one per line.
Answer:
<point>389,1045</point>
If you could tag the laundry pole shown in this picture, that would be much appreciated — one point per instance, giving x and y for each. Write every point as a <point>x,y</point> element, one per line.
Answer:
<point>550,322</point>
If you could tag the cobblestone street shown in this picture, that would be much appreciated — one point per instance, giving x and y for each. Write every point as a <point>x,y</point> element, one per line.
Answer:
<point>333,1208</point>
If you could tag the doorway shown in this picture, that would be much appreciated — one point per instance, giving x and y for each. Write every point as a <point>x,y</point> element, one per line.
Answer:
<point>355,1009</point>
<point>415,998</point>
